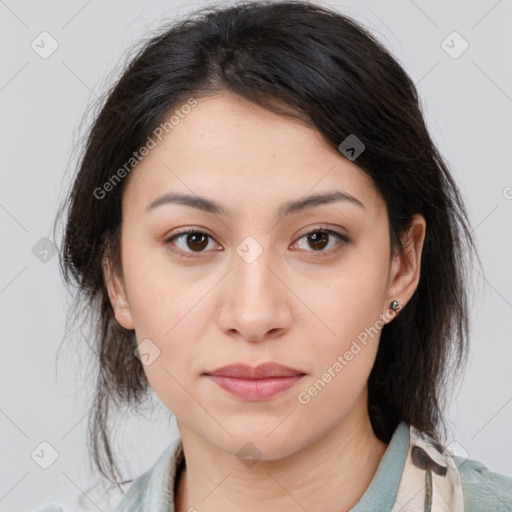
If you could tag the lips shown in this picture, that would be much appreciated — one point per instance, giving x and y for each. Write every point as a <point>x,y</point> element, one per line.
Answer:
<point>262,371</point>
<point>255,383</point>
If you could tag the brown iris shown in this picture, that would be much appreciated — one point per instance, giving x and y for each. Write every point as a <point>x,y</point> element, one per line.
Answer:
<point>318,239</point>
<point>199,241</point>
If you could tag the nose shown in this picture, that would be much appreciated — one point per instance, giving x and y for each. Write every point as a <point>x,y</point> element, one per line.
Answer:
<point>255,299</point>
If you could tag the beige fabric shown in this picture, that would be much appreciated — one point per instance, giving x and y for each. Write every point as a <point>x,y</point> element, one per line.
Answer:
<point>447,493</point>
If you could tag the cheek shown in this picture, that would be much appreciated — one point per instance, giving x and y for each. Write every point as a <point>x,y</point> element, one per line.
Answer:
<point>170,313</point>
<point>351,304</point>
<point>350,309</point>
<point>167,383</point>
<point>175,329</point>
<point>343,360</point>
<point>158,299</point>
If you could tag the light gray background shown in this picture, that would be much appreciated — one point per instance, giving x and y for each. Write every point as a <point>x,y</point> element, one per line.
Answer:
<point>468,107</point>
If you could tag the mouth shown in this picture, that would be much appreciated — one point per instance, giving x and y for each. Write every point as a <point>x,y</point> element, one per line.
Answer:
<point>255,383</point>
<point>255,389</point>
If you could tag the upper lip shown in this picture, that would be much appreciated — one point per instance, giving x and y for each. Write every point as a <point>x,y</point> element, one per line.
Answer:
<point>262,371</point>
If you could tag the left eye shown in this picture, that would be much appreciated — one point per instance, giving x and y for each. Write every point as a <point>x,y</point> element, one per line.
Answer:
<point>319,238</point>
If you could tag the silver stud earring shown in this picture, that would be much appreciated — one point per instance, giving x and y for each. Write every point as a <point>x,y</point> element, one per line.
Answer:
<point>395,305</point>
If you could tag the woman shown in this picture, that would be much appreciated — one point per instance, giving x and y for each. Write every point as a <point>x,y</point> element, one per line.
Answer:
<point>269,240</point>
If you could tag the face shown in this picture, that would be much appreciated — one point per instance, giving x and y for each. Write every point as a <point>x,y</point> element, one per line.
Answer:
<point>261,281</point>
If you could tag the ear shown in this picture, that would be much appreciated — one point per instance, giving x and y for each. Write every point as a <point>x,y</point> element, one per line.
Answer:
<point>405,267</point>
<point>117,295</point>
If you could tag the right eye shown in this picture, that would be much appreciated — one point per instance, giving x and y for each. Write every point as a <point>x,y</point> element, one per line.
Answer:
<point>192,239</point>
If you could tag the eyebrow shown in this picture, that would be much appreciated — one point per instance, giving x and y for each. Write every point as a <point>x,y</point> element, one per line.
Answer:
<point>292,207</point>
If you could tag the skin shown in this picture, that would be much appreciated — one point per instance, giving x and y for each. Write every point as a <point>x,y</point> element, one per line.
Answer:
<point>294,304</point>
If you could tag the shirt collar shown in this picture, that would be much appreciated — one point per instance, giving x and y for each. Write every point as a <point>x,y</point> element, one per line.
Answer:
<point>382,491</point>
<point>153,491</point>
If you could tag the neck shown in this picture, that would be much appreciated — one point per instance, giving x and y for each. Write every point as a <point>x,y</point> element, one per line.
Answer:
<point>329,475</point>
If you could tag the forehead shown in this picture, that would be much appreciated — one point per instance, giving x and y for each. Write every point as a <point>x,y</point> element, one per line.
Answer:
<point>229,147</point>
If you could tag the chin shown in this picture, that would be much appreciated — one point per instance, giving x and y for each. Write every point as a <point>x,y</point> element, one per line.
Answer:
<point>258,444</point>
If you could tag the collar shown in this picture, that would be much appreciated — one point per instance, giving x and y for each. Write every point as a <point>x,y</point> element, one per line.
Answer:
<point>382,491</point>
<point>412,472</point>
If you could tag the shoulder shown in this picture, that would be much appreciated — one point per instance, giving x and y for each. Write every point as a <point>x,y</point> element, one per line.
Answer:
<point>131,500</point>
<point>136,493</point>
<point>152,490</point>
<point>51,507</point>
<point>483,489</point>
<point>468,482</point>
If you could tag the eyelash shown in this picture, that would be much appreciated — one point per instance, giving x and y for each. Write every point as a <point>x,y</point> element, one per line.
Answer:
<point>319,229</point>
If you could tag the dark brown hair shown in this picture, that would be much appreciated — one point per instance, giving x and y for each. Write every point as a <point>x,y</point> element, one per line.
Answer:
<point>313,64</point>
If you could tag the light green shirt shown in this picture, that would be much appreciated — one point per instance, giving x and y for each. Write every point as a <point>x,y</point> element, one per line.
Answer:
<point>401,482</point>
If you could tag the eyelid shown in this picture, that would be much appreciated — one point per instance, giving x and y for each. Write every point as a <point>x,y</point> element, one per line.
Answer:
<point>321,227</point>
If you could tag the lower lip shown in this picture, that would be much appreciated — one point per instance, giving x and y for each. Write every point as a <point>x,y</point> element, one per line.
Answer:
<point>255,389</point>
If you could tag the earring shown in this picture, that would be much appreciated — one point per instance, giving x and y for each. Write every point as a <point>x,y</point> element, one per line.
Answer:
<point>395,305</point>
